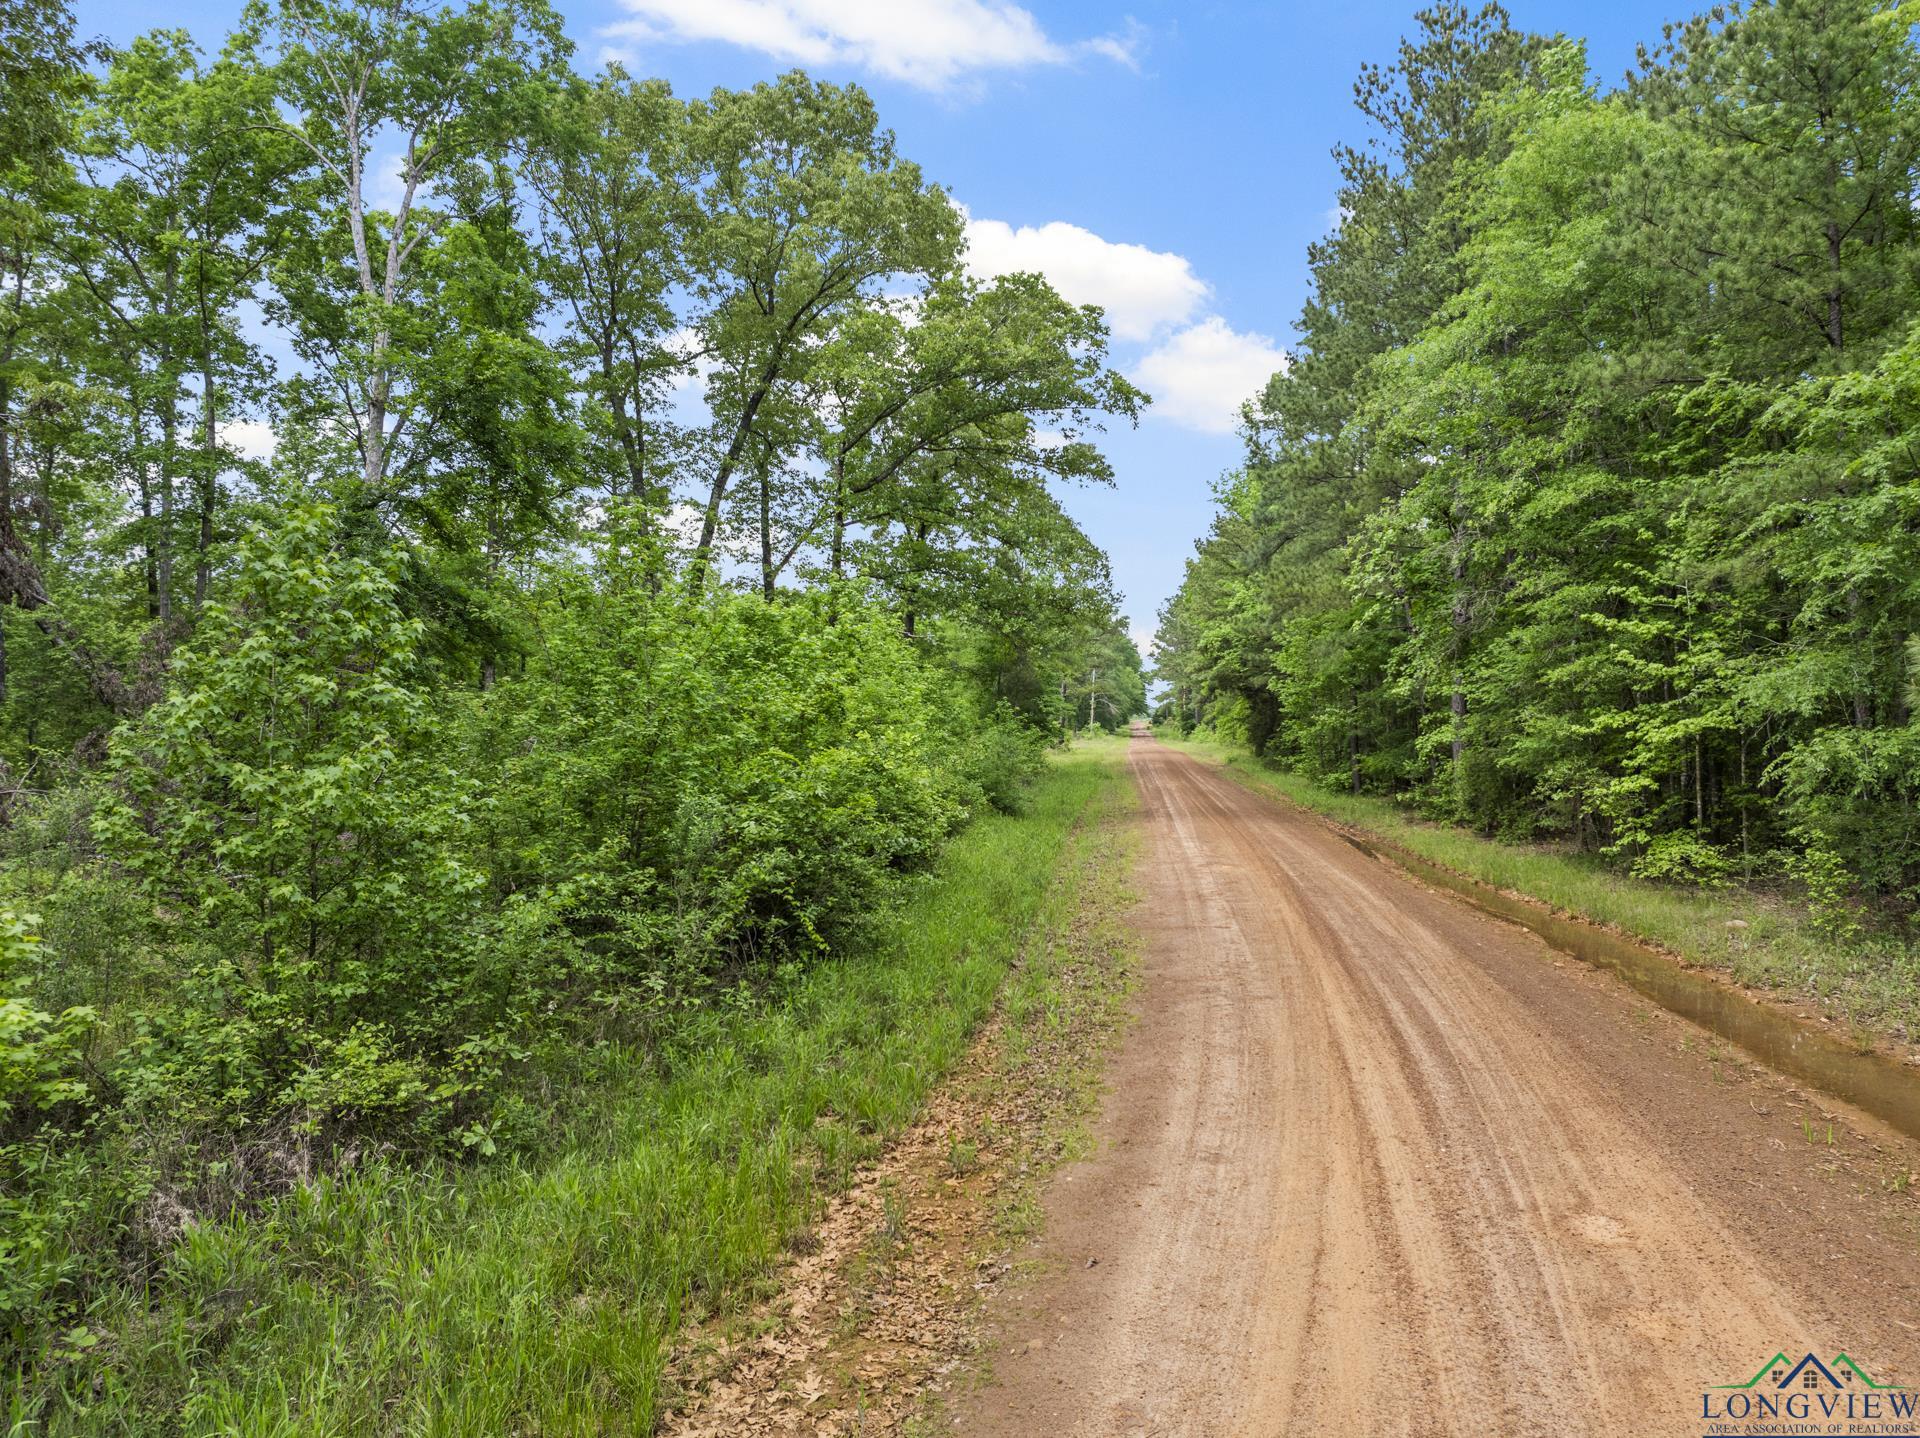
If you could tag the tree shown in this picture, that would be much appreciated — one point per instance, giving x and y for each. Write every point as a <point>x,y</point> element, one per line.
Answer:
<point>1793,208</point>
<point>947,417</point>
<point>805,210</point>
<point>455,89</point>
<point>283,804</point>
<point>615,205</point>
<point>167,238</point>
<point>40,80</point>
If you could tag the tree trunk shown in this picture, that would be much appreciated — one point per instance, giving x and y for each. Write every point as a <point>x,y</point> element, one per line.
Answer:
<point>631,449</point>
<point>1353,740</point>
<point>163,561</point>
<point>765,476</point>
<point>838,547</point>
<point>717,493</point>
<point>7,538</point>
<point>1836,335</point>
<point>148,545</point>
<point>209,477</point>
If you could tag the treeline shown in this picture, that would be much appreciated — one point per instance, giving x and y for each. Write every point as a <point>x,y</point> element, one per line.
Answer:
<point>491,562</point>
<point>1589,504</point>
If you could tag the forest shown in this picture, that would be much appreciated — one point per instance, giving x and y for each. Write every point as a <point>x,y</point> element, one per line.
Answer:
<point>1587,509</point>
<point>506,576</point>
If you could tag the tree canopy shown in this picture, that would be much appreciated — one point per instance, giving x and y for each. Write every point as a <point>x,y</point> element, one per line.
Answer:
<point>1586,505</point>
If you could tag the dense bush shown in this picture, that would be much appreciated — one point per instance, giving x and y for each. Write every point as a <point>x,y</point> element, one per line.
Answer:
<point>350,904</point>
<point>42,1102</point>
<point>303,847</point>
<point>700,780</point>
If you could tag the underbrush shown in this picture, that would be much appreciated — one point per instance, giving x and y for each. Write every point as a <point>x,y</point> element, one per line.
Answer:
<point>540,1293</point>
<point>323,920</point>
<point>1759,939</point>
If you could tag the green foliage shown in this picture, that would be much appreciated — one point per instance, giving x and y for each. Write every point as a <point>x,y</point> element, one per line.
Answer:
<point>1001,757</point>
<point>49,1190</point>
<point>698,778</point>
<point>300,841</point>
<point>1590,512</point>
<point>38,1052</point>
<point>546,1296</point>
<point>384,765</point>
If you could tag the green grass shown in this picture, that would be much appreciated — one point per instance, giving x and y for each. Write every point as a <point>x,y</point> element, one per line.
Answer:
<point>544,1298</point>
<point>1877,986</point>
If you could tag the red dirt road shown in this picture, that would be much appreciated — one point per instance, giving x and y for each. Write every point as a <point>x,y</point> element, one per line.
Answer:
<point>1374,1163</point>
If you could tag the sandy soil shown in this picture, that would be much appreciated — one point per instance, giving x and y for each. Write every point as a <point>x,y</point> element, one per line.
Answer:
<point>1372,1162</point>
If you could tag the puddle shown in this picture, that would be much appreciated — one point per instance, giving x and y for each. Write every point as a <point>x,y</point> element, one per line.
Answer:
<point>1881,1086</point>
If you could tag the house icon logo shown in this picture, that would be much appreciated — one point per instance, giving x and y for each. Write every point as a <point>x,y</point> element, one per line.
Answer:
<point>1836,1392</point>
<point>1809,1372</point>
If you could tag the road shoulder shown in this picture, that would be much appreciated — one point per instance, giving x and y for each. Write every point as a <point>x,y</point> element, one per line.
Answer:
<point>877,1320</point>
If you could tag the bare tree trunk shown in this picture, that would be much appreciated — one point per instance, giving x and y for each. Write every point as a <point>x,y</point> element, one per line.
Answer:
<point>717,492</point>
<point>209,492</point>
<point>163,562</point>
<point>8,540</point>
<point>1836,335</point>
<point>632,450</point>
<point>1353,739</point>
<point>837,551</point>
<point>144,481</point>
<point>1458,703</point>
<point>765,475</point>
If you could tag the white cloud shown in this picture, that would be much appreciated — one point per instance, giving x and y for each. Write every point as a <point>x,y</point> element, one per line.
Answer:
<point>685,344</point>
<point>254,439</point>
<point>1200,376</point>
<point>929,43</point>
<point>683,523</point>
<point>1141,290</point>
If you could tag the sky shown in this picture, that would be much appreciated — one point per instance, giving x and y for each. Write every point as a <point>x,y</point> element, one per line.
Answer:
<point>1168,160</point>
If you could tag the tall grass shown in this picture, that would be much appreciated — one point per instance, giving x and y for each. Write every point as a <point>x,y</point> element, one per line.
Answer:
<point>1757,939</point>
<point>543,1298</point>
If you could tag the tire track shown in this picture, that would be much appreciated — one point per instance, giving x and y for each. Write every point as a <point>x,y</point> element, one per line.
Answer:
<point>1374,1162</point>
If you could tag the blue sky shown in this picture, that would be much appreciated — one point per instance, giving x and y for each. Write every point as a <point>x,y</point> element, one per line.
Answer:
<point>1167,160</point>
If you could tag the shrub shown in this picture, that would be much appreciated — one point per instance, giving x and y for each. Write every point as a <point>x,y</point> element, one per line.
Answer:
<point>45,1184</point>
<point>300,841</point>
<point>705,779</point>
<point>1000,757</point>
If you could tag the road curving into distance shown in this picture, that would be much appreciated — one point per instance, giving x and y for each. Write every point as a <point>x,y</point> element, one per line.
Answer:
<point>1372,1162</point>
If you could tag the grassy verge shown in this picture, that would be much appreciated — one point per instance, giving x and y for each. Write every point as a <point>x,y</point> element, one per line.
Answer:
<point>881,1312</point>
<point>545,1298</point>
<point>1756,940</point>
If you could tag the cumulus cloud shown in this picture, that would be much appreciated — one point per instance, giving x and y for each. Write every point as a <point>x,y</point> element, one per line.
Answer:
<point>685,344</point>
<point>929,43</point>
<point>251,438</point>
<point>1141,290</point>
<point>1202,374</point>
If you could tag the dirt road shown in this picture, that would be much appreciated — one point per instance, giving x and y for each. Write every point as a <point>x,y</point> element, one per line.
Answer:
<point>1373,1163</point>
